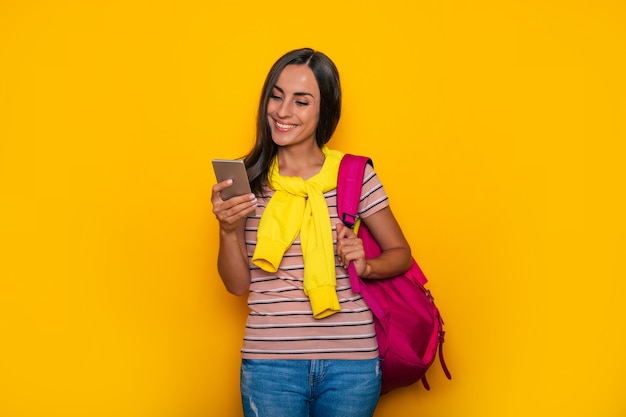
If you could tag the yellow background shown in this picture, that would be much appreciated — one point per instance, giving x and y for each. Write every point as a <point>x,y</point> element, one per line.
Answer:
<point>497,127</point>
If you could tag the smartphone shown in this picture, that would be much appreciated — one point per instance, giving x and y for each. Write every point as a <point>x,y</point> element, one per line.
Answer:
<point>235,170</point>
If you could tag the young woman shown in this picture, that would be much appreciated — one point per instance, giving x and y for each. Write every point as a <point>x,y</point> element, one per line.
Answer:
<point>309,347</point>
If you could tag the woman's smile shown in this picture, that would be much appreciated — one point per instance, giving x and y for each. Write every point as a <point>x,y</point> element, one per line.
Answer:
<point>284,127</point>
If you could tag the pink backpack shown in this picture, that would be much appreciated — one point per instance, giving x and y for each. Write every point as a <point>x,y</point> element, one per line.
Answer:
<point>409,328</point>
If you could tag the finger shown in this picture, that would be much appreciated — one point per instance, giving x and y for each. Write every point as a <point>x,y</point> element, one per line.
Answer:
<point>344,232</point>
<point>352,251</point>
<point>235,208</point>
<point>347,244</point>
<point>222,185</point>
<point>352,256</point>
<point>216,197</point>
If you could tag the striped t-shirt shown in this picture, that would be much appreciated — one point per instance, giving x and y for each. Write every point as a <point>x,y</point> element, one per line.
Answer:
<point>281,325</point>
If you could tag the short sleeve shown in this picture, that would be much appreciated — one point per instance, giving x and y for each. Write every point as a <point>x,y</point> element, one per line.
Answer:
<point>373,195</point>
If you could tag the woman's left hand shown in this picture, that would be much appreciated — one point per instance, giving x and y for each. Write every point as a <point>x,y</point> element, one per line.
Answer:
<point>350,249</point>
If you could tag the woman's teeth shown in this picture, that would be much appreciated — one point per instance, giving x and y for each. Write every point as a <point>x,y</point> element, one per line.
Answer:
<point>285,127</point>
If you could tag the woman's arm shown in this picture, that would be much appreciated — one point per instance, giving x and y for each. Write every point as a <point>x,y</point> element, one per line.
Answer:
<point>232,261</point>
<point>232,258</point>
<point>396,252</point>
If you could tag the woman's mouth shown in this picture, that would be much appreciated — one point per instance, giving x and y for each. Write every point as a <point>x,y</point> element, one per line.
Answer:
<point>283,127</point>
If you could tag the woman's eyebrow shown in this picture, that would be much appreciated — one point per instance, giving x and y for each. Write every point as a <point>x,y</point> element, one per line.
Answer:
<point>298,93</point>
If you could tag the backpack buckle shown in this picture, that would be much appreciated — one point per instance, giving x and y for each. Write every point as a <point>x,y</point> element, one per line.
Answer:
<point>350,220</point>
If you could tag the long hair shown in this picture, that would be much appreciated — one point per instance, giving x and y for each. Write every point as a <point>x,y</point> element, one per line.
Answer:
<point>264,150</point>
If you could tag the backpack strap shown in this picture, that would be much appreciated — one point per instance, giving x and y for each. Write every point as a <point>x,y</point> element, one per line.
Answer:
<point>349,185</point>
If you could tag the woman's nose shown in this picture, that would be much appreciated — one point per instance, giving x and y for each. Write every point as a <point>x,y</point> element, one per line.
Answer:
<point>284,110</point>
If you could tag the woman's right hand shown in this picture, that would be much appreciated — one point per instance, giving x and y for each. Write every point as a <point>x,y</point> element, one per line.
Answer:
<point>230,212</point>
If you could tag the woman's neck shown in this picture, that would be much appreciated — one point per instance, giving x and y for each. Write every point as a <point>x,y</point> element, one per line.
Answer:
<point>302,162</point>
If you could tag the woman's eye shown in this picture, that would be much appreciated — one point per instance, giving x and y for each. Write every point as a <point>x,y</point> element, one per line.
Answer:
<point>275,97</point>
<point>302,103</point>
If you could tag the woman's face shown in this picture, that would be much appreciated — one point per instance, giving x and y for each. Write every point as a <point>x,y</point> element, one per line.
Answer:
<point>294,106</point>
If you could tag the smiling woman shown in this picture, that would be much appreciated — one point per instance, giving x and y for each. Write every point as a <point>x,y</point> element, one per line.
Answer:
<point>305,323</point>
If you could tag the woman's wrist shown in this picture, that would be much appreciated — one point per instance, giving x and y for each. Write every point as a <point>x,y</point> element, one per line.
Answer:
<point>368,270</point>
<point>230,232</point>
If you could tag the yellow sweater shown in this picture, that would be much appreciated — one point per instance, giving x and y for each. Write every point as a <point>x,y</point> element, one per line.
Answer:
<point>299,206</point>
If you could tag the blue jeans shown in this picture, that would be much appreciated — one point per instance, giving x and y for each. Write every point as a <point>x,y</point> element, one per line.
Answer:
<point>308,388</point>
